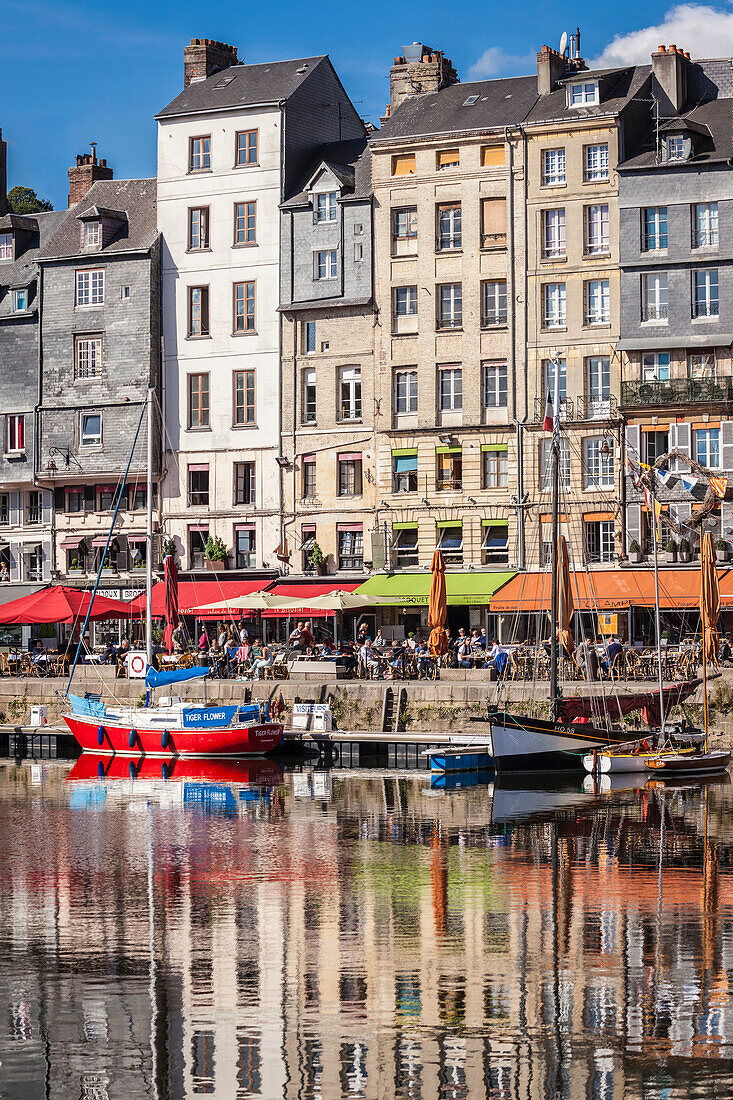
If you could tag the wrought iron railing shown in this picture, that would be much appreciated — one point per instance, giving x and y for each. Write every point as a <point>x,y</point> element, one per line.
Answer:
<point>580,408</point>
<point>692,390</point>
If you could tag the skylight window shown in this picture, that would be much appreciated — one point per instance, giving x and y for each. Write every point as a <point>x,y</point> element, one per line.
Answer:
<point>224,82</point>
<point>470,101</point>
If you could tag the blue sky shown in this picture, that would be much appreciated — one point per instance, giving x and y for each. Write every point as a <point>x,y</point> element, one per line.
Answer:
<point>79,72</point>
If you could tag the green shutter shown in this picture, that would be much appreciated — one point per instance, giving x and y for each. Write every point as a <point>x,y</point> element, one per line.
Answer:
<point>404,452</point>
<point>494,446</point>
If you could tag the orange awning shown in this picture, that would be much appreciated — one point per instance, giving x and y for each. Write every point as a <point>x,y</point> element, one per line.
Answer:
<point>610,590</point>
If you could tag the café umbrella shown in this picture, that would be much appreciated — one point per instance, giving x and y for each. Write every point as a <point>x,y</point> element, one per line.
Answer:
<point>567,606</point>
<point>170,573</point>
<point>60,604</point>
<point>437,607</point>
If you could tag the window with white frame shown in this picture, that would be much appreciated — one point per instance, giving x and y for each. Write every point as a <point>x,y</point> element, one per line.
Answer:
<point>584,94</point>
<point>545,461</point>
<point>553,234</point>
<point>654,228</point>
<point>655,366</point>
<point>405,546</point>
<point>245,547</point>
<point>449,232</point>
<point>450,389</point>
<point>20,300</point>
<point>595,163</point>
<point>6,246</point>
<point>598,385</point>
<point>553,305</point>
<point>351,548</point>
<point>350,393</point>
<point>90,288</point>
<point>707,447</point>
<point>597,302</point>
<point>493,302</point>
<point>309,396</point>
<point>705,294</point>
<point>701,366</point>
<point>198,228</point>
<point>450,542</point>
<point>87,357</point>
<point>404,471</point>
<point>14,433</point>
<point>548,371</point>
<point>495,384</point>
<point>325,264</point>
<point>553,167</point>
<point>92,234</point>
<point>404,230</point>
<point>90,430</point>
<point>495,468</point>
<point>654,296</point>
<point>599,541</point>
<point>405,392</point>
<point>495,543</point>
<point>324,207</point>
<point>450,305</point>
<point>597,239</point>
<point>654,444</point>
<point>404,309</point>
<point>705,225</point>
<point>676,147</point>
<point>597,463</point>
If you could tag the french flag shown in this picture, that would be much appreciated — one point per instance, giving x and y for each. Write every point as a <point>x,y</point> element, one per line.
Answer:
<point>548,422</point>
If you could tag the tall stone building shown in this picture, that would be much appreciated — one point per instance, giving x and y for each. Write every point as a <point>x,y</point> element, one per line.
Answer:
<point>232,146</point>
<point>676,254</point>
<point>100,352</point>
<point>328,325</point>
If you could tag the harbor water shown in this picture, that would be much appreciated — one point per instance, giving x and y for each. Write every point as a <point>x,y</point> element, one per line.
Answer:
<point>247,930</point>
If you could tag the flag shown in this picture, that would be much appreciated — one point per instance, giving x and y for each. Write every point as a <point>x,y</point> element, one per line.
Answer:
<point>664,476</point>
<point>719,486</point>
<point>688,483</point>
<point>658,518</point>
<point>549,420</point>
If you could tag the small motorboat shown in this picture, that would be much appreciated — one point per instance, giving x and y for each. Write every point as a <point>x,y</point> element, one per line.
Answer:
<point>704,763</point>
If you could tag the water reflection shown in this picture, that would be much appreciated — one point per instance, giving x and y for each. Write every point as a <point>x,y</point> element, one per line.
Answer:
<point>237,931</point>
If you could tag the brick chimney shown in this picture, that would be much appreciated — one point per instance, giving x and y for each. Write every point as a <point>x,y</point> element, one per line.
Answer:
<point>419,69</point>
<point>3,176</point>
<point>85,172</point>
<point>669,70</point>
<point>552,66</point>
<point>205,56</point>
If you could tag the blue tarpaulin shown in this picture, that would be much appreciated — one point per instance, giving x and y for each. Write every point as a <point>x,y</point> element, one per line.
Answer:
<point>155,679</point>
<point>93,708</point>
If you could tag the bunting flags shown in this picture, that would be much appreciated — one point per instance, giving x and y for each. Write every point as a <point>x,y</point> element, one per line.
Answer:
<point>658,518</point>
<point>688,482</point>
<point>548,422</point>
<point>664,476</point>
<point>719,486</point>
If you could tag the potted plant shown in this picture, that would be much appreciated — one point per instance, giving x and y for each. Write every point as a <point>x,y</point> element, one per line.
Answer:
<point>215,553</point>
<point>722,550</point>
<point>671,550</point>
<point>168,549</point>
<point>75,566</point>
<point>635,554</point>
<point>683,550</point>
<point>318,559</point>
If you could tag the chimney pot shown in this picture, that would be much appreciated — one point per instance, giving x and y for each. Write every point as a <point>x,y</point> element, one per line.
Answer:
<point>673,48</point>
<point>87,171</point>
<point>661,49</point>
<point>205,56</point>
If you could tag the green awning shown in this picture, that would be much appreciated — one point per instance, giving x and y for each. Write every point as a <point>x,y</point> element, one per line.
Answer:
<point>449,450</point>
<point>494,522</point>
<point>413,589</point>
<point>494,446</point>
<point>404,526</point>
<point>442,523</point>
<point>402,452</point>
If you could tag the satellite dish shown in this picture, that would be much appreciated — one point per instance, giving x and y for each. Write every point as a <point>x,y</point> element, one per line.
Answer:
<point>564,43</point>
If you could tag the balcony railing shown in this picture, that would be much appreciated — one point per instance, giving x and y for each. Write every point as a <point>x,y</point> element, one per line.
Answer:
<point>581,408</point>
<point>651,311</point>
<point>703,391</point>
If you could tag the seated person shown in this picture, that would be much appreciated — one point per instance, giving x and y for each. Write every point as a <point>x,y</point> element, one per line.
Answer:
<point>614,653</point>
<point>424,660</point>
<point>463,651</point>
<point>496,657</point>
<point>368,656</point>
<point>263,658</point>
<point>379,642</point>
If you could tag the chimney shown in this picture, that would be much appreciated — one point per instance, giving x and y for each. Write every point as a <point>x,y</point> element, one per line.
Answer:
<point>205,56</point>
<point>3,176</point>
<point>419,69</point>
<point>552,66</point>
<point>669,69</point>
<point>85,172</point>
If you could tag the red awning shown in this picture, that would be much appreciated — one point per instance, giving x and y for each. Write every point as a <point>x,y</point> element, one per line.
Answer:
<point>307,591</point>
<point>608,590</point>
<point>59,604</point>
<point>72,542</point>
<point>197,594</point>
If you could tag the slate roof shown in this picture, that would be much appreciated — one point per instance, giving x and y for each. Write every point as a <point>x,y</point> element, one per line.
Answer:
<point>618,86</point>
<point>137,198</point>
<point>350,162</point>
<point>712,121</point>
<point>251,85</point>
<point>503,102</point>
<point>23,271</point>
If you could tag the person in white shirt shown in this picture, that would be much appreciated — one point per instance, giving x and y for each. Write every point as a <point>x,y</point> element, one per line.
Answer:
<point>368,656</point>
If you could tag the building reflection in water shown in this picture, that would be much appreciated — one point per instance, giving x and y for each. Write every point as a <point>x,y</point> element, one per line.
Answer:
<point>254,934</point>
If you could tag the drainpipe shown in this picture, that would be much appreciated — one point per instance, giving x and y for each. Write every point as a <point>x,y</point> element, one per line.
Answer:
<point>278,441</point>
<point>37,424</point>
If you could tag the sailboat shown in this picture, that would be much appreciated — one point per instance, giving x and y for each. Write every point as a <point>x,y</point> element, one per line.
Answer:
<point>173,727</point>
<point>521,744</point>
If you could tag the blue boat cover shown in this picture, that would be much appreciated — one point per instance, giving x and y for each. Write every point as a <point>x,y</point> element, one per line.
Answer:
<point>92,708</point>
<point>203,718</point>
<point>155,679</point>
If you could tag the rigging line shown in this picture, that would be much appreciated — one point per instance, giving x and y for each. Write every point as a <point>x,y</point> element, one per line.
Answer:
<point>106,548</point>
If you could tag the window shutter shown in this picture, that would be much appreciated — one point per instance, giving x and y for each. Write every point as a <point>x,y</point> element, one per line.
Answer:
<point>726,444</point>
<point>494,215</point>
<point>16,509</point>
<point>89,498</point>
<point>633,525</point>
<point>726,520</point>
<point>46,558</point>
<point>633,442</point>
<point>683,438</point>
<point>59,499</point>
<point>46,505</point>
<point>358,478</point>
<point>681,512</point>
<point>672,445</point>
<point>449,156</point>
<point>403,164</point>
<point>493,156</point>
<point>15,561</point>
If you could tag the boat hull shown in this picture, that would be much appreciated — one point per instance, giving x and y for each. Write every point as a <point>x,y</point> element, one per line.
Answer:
<point>529,746</point>
<point>121,739</point>
<point>704,764</point>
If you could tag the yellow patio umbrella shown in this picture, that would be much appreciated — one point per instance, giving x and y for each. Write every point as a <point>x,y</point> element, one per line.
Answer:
<point>709,599</point>
<point>437,607</point>
<point>567,607</point>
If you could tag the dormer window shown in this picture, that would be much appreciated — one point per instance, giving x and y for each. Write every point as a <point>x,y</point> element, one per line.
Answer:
<point>324,207</point>
<point>20,300</point>
<point>676,147</point>
<point>92,234</point>
<point>6,246</point>
<point>583,95</point>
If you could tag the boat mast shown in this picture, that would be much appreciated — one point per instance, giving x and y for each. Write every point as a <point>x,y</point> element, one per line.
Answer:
<point>704,669</point>
<point>149,538</point>
<point>657,623</point>
<point>554,602</point>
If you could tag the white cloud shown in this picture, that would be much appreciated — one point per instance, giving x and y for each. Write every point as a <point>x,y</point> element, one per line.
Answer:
<point>701,29</point>
<point>495,62</point>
